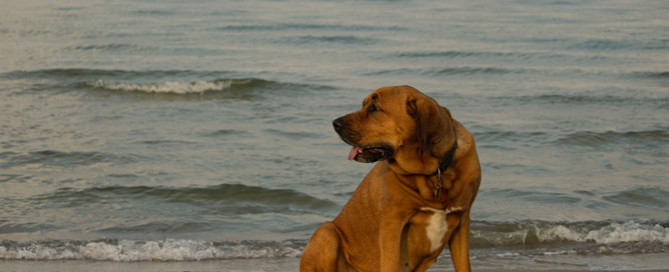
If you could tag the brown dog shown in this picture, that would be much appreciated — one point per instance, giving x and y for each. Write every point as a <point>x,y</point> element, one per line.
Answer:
<point>414,201</point>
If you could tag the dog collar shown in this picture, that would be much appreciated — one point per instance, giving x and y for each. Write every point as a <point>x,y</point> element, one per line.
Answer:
<point>443,166</point>
<point>446,162</point>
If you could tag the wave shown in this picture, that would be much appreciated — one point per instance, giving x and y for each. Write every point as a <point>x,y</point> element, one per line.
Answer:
<point>616,45</point>
<point>114,47</point>
<point>236,88</point>
<point>543,233</point>
<point>153,12</point>
<point>339,39</point>
<point>555,198</point>
<point>641,197</point>
<point>568,99</point>
<point>545,238</point>
<point>650,138</point>
<point>489,137</point>
<point>515,55</point>
<point>450,71</point>
<point>136,48</point>
<point>63,159</point>
<point>648,197</point>
<point>133,250</point>
<point>86,74</point>
<point>653,139</point>
<point>660,74</point>
<point>277,27</point>
<point>159,82</point>
<point>453,54</point>
<point>538,63</point>
<point>651,75</point>
<point>246,199</point>
<point>606,97</point>
<point>198,87</point>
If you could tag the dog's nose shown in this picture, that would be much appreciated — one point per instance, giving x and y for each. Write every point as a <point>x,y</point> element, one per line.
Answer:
<point>338,124</point>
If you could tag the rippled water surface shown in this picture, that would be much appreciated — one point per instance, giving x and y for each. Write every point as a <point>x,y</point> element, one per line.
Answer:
<point>201,130</point>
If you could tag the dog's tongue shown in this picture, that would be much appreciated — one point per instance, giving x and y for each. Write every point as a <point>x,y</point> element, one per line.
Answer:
<point>354,151</point>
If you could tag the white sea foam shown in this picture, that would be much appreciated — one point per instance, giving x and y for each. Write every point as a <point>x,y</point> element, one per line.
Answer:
<point>508,254</point>
<point>613,237</point>
<point>166,87</point>
<point>630,231</point>
<point>559,252</point>
<point>164,250</point>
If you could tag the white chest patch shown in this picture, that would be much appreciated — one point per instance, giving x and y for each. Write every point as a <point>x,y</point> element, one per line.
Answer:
<point>437,226</point>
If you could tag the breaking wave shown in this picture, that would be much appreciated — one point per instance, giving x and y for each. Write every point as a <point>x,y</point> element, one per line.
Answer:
<point>161,82</point>
<point>613,233</point>
<point>547,238</point>
<point>197,87</point>
<point>132,250</point>
<point>641,233</point>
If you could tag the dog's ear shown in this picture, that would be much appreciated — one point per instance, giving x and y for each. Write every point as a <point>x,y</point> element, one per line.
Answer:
<point>430,120</point>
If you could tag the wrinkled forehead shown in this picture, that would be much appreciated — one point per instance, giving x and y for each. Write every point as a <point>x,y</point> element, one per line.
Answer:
<point>387,95</point>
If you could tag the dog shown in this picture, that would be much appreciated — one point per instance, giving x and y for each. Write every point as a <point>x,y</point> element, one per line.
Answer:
<point>414,201</point>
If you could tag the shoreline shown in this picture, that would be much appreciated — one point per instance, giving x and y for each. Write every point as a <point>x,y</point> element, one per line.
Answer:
<point>265,264</point>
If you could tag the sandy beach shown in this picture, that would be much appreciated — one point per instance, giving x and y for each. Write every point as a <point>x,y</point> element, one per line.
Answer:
<point>292,264</point>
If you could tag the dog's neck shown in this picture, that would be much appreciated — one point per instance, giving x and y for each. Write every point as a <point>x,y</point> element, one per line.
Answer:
<point>431,186</point>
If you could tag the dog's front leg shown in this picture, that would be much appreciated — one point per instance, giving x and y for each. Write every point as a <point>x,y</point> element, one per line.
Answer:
<point>459,245</point>
<point>390,235</point>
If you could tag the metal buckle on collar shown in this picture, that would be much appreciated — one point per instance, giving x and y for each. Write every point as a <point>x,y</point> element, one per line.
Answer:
<point>438,187</point>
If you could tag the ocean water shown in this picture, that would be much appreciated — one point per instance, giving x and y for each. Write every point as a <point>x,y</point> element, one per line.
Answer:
<point>142,130</point>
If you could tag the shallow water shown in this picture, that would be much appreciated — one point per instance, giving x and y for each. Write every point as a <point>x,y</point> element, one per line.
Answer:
<point>153,130</point>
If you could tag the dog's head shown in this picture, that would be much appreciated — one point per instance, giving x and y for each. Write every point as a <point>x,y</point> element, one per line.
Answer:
<point>400,124</point>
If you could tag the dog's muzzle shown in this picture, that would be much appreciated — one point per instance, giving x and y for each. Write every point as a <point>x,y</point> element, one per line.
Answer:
<point>360,153</point>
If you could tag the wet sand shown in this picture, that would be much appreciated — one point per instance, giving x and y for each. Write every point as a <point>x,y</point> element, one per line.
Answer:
<point>269,264</point>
